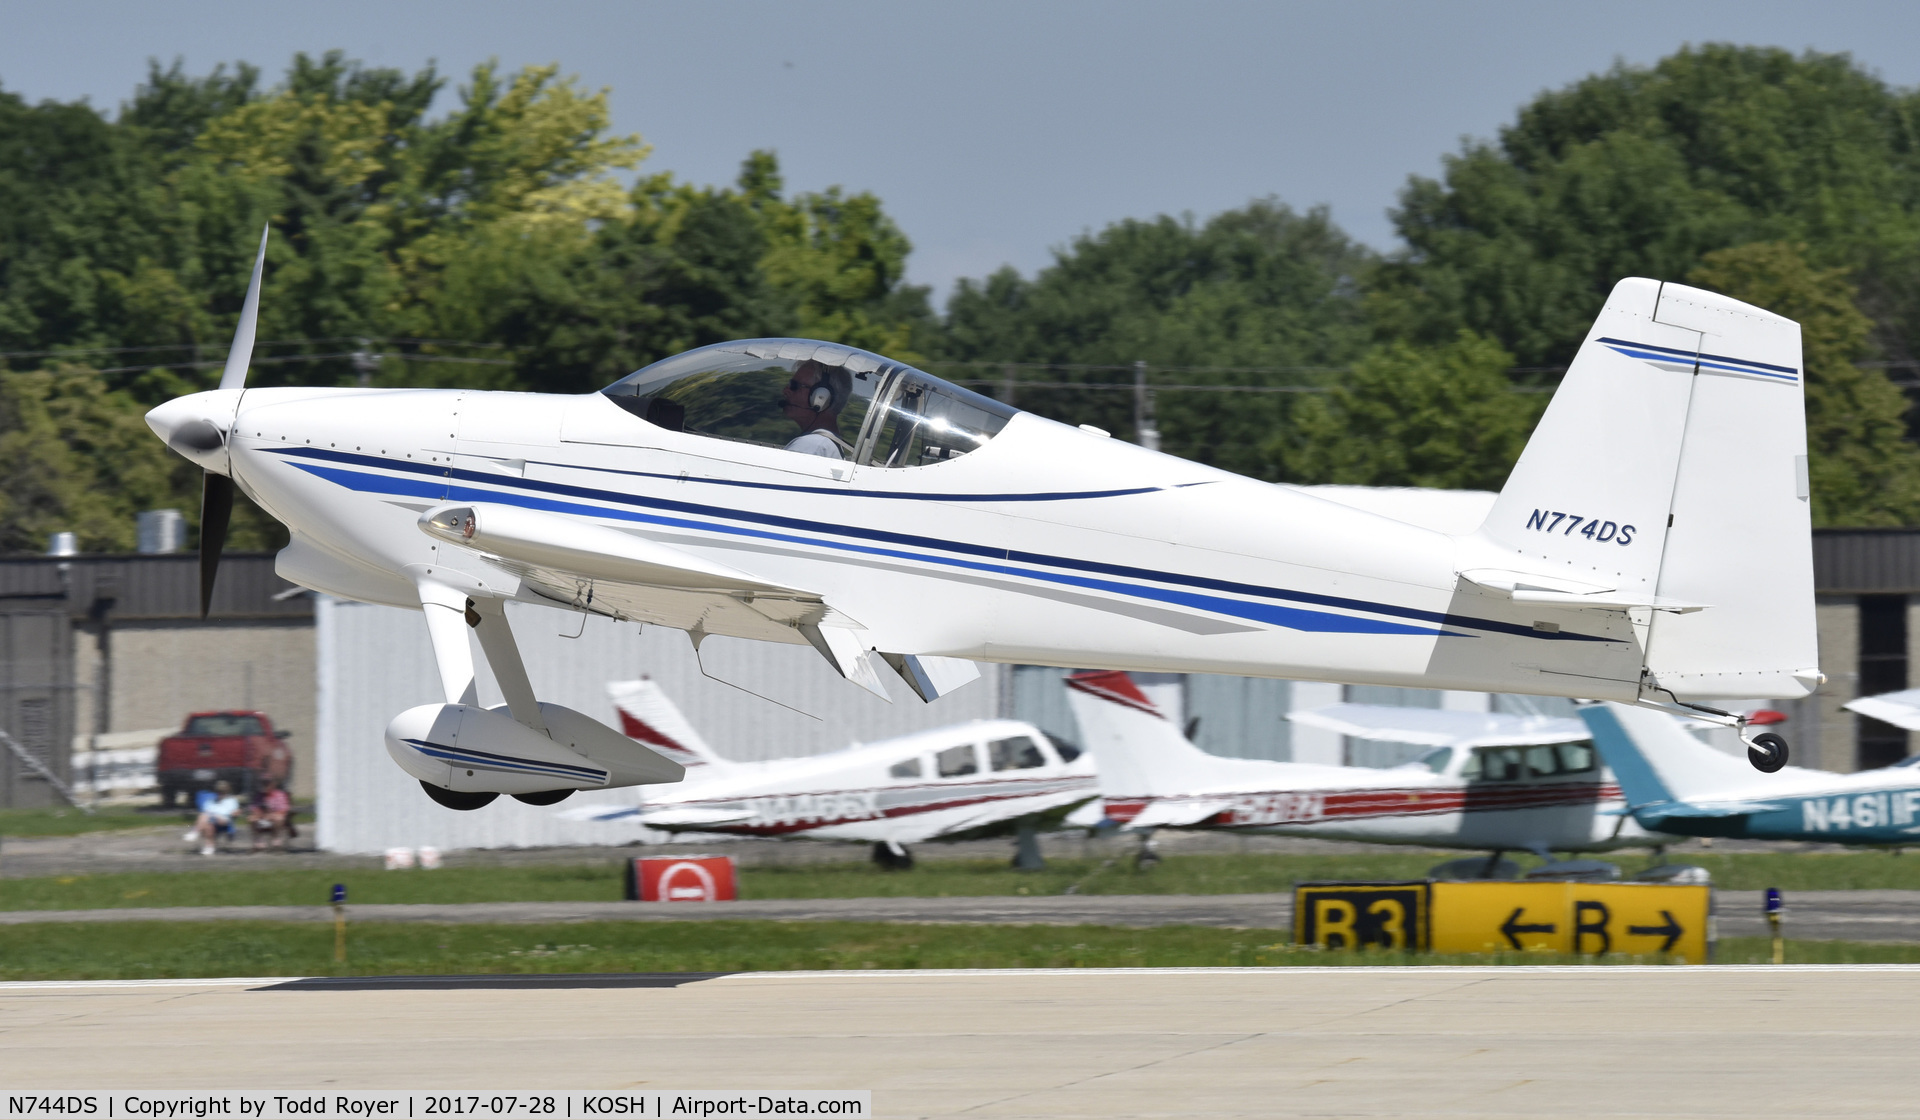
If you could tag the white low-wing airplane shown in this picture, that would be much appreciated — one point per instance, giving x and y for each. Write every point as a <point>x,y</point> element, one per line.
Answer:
<point>1652,545</point>
<point>1489,782</point>
<point>968,779</point>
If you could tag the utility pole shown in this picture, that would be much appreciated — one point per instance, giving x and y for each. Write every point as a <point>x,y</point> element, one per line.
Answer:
<point>1006,385</point>
<point>1145,433</point>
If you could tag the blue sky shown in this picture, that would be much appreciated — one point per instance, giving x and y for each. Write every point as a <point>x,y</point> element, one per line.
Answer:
<point>993,131</point>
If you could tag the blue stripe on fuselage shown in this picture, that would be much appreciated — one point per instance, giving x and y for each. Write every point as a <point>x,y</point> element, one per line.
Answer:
<point>442,488</point>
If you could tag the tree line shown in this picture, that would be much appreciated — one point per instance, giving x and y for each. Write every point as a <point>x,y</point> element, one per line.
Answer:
<point>498,245</point>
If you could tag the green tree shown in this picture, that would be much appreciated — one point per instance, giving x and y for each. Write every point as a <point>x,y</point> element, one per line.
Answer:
<point>1249,290</point>
<point>1862,467</point>
<point>1645,170</point>
<point>1443,416</point>
<point>79,457</point>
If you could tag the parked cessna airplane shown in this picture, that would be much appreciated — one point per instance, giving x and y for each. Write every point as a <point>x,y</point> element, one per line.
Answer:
<point>969,779</point>
<point>1675,783</point>
<point>1490,782</point>
<point>805,492</point>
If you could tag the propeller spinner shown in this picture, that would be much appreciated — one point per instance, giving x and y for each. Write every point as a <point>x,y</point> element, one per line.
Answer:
<point>197,426</point>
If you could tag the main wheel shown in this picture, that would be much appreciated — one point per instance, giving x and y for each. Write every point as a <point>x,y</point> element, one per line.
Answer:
<point>544,797</point>
<point>1767,752</point>
<point>454,799</point>
<point>889,855</point>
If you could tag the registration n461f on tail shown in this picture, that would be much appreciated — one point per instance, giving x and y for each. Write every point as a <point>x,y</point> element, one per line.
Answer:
<point>1652,544</point>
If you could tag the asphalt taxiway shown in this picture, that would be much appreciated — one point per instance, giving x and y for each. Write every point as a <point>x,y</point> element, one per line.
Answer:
<point>1577,1042</point>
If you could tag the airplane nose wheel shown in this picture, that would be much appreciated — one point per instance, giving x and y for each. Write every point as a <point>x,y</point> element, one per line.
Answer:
<point>1767,752</point>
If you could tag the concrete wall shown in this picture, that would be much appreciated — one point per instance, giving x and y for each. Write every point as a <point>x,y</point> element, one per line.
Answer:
<point>164,670</point>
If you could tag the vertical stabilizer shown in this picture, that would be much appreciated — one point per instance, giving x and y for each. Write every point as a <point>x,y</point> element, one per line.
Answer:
<point>1140,753</point>
<point>648,716</point>
<point>1657,762</point>
<point>1670,469</point>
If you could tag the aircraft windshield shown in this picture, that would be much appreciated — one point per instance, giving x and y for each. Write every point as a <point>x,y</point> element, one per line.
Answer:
<point>817,398</point>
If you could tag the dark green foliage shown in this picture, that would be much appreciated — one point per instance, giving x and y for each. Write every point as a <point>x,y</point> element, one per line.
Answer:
<point>1257,287</point>
<point>1641,171</point>
<point>1440,416</point>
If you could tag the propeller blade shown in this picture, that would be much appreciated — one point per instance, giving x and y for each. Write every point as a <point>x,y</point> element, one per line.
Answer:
<point>241,353</point>
<point>216,510</point>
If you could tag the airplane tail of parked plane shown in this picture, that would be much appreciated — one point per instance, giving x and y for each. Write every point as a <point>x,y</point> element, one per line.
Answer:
<point>1658,762</point>
<point>648,716</point>
<point>1670,473</point>
<point>1140,751</point>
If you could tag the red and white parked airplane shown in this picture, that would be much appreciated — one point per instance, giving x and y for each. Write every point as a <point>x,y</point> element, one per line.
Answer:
<point>966,780</point>
<point>1491,782</point>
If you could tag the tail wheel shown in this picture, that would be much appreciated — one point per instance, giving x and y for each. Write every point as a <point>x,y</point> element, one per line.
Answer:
<point>454,799</point>
<point>1767,752</point>
<point>544,797</point>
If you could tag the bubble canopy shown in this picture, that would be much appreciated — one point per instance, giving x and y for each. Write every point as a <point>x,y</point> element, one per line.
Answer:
<point>816,398</point>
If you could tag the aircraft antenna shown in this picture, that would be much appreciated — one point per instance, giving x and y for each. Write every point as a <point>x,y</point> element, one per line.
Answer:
<point>696,635</point>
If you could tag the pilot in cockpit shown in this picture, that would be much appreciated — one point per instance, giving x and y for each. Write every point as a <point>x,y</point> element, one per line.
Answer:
<point>813,398</point>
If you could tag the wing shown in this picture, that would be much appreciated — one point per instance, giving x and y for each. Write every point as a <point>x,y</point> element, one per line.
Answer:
<point>915,828</point>
<point>609,571</point>
<point>1169,813</point>
<point>1902,709</point>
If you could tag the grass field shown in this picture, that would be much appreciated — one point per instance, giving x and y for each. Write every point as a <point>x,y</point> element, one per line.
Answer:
<point>135,950</point>
<point>72,822</point>
<point>259,883</point>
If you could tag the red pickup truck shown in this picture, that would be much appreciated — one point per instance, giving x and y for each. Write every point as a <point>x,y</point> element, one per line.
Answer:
<point>240,748</point>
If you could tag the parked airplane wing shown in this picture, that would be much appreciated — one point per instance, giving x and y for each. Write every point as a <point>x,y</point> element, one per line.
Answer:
<point>690,817</point>
<point>918,828</point>
<point>1902,709</point>
<point>1434,727</point>
<point>1176,813</point>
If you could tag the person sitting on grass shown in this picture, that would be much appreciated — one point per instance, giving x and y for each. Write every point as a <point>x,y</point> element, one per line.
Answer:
<point>270,814</point>
<point>216,817</point>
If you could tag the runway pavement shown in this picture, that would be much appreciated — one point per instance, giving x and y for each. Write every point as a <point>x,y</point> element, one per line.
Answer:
<point>1596,1042</point>
<point>1892,916</point>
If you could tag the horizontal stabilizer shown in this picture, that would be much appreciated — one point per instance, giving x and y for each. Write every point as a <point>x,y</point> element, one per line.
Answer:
<point>1435,727</point>
<point>1527,587</point>
<point>1901,709</point>
<point>1707,809</point>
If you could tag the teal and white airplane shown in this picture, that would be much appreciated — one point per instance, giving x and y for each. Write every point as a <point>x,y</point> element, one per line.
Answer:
<point>1676,784</point>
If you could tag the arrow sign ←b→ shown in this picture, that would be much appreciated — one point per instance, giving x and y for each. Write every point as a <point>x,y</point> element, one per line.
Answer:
<point>1513,927</point>
<point>1671,931</point>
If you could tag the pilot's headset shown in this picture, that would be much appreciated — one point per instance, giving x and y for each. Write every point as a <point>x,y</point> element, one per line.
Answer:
<point>831,394</point>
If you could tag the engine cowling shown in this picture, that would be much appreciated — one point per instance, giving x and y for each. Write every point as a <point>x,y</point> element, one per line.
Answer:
<point>484,750</point>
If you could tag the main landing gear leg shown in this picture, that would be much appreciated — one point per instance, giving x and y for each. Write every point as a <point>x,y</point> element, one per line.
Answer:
<point>1148,855</point>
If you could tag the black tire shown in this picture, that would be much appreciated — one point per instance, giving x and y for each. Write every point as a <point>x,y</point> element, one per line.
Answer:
<point>454,799</point>
<point>1767,752</point>
<point>544,797</point>
<point>892,857</point>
